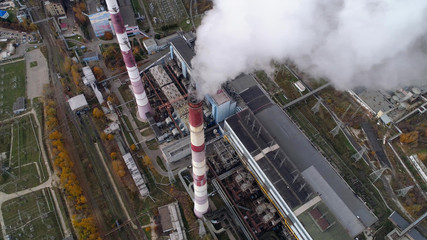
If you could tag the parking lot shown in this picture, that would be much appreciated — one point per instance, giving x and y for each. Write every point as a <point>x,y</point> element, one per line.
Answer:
<point>19,37</point>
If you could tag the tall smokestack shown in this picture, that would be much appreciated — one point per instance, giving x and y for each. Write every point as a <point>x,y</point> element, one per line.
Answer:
<point>198,159</point>
<point>132,69</point>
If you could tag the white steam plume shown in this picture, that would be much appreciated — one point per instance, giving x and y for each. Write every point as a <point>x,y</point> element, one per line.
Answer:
<point>370,43</point>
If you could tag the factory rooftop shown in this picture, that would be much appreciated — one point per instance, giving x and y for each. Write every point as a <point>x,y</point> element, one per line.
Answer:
<point>77,102</point>
<point>402,224</point>
<point>183,49</point>
<point>242,82</point>
<point>220,97</point>
<point>314,168</point>
<point>274,163</point>
<point>376,100</point>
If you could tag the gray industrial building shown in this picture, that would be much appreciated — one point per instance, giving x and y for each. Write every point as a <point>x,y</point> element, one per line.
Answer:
<point>182,50</point>
<point>287,165</point>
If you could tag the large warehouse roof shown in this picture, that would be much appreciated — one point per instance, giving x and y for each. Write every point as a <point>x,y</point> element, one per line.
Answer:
<point>274,163</point>
<point>182,47</point>
<point>315,169</point>
<point>309,161</point>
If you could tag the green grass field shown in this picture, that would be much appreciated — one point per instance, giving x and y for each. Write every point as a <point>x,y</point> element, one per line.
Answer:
<point>24,161</point>
<point>33,64</point>
<point>12,86</point>
<point>31,216</point>
<point>152,144</point>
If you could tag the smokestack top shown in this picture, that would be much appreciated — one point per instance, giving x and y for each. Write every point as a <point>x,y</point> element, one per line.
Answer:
<point>193,98</point>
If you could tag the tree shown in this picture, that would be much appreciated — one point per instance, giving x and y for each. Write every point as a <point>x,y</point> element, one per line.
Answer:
<point>113,155</point>
<point>67,64</point>
<point>146,160</point>
<point>24,24</point>
<point>51,123</point>
<point>104,136</point>
<point>118,168</point>
<point>75,74</point>
<point>78,11</point>
<point>409,137</point>
<point>33,27</point>
<point>108,35</point>
<point>51,111</point>
<point>98,72</point>
<point>55,135</point>
<point>133,147</point>
<point>97,113</point>
<point>110,136</point>
<point>135,50</point>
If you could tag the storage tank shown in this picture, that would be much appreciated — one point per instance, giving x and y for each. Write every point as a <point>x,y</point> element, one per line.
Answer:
<point>395,99</point>
<point>416,90</point>
<point>403,106</point>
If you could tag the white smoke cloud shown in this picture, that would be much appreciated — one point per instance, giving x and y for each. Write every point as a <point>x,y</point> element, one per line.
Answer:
<point>370,43</point>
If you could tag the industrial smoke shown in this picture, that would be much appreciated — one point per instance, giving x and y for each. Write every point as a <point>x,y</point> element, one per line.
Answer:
<point>368,43</point>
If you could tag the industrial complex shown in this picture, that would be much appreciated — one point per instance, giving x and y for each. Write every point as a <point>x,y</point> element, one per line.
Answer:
<point>132,149</point>
<point>294,180</point>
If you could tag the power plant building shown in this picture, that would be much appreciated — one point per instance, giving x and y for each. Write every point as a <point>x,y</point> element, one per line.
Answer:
<point>101,23</point>
<point>181,50</point>
<point>222,105</point>
<point>293,174</point>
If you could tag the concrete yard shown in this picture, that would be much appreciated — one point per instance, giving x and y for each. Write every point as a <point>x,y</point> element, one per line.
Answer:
<point>37,76</point>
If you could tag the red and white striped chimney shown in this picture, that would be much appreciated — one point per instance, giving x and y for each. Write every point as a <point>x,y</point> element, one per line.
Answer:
<point>131,67</point>
<point>198,161</point>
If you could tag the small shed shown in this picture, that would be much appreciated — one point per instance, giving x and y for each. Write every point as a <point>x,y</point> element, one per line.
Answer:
<point>90,56</point>
<point>78,103</point>
<point>150,44</point>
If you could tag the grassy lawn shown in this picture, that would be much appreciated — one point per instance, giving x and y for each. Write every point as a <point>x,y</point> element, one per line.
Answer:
<point>137,7</point>
<point>160,163</point>
<point>152,144</point>
<point>147,132</point>
<point>186,26</point>
<point>126,92</point>
<point>280,99</point>
<point>128,134</point>
<point>144,219</point>
<point>26,167</point>
<point>266,82</point>
<point>76,37</point>
<point>12,86</point>
<point>31,216</point>
<point>33,64</point>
